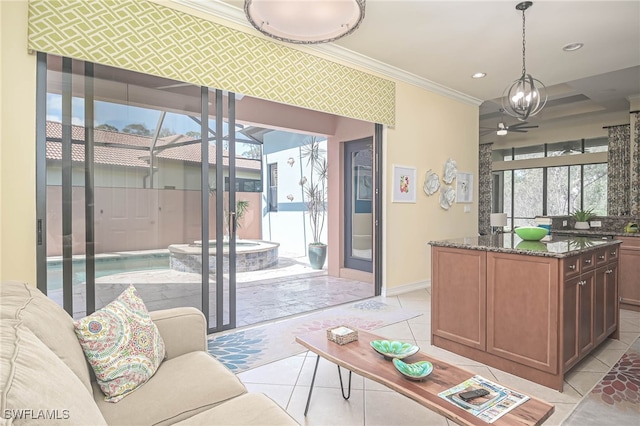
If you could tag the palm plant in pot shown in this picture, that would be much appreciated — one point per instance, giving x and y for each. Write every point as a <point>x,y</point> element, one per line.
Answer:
<point>582,218</point>
<point>315,193</point>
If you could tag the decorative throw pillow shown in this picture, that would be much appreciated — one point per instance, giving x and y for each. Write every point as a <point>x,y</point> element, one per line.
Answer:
<point>122,345</point>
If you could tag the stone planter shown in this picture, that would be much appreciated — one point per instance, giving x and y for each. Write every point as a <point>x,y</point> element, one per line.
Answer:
<point>581,225</point>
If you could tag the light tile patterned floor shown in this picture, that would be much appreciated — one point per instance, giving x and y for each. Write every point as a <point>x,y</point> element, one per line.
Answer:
<point>287,381</point>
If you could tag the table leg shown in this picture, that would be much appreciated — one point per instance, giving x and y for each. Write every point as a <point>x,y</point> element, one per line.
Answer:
<point>342,387</point>
<point>315,370</point>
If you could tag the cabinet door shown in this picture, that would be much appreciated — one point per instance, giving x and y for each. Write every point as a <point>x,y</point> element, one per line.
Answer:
<point>611,299</point>
<point>570,320</point>
<point>458,293</point>
<point>629,275</point>
<point>600,304</point>
<point>522,309</point>
<point>586,339</point>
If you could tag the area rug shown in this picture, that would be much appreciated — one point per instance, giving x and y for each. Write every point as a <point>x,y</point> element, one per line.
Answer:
<point>249,348</point>
<point>615,400</point>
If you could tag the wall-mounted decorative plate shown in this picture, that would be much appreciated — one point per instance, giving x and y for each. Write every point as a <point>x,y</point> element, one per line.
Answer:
<point>447,196</point>
<point>450,170</point>
<point>431,182</point>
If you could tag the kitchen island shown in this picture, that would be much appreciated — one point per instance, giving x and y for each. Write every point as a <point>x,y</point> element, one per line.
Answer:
<point>533,309</point>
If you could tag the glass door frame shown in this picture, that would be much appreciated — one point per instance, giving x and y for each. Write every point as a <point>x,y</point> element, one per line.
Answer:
<point>350,148</point>
<point>67,166</point>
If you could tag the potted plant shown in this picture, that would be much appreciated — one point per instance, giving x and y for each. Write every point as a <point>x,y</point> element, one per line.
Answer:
<point>582,218</point>
<point>315,193</point>
<point>242,206</point>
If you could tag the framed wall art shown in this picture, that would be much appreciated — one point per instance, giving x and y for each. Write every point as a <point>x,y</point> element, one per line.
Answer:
<point>464,187</point>
<point>404,184</point>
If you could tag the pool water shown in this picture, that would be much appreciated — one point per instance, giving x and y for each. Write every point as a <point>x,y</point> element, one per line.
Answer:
<point>106,265</point>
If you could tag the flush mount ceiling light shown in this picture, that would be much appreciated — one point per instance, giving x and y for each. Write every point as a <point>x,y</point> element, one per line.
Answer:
<point>526,96</point>
<point>305,21</point>
<point>479,75</point>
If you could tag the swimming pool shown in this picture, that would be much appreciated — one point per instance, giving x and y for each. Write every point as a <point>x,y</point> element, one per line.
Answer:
<point>107,264</point>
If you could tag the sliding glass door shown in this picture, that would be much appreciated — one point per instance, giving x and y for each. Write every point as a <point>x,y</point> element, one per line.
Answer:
<point>136,180</point>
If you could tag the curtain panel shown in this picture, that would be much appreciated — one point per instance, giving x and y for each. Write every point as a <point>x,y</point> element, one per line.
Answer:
<point>484,188</point>
<point>618,176</point>
<point>635,173</point>
<point>149,38</point>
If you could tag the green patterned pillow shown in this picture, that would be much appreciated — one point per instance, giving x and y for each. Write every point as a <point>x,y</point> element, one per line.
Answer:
<point>122,345</point>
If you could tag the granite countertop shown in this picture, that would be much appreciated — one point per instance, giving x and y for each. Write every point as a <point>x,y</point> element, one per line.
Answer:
<point>596,232</point>
<point>555,246</point>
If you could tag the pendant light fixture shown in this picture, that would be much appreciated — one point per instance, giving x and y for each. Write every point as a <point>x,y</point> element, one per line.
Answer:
<point>526,96</point>
<point>305,21</point>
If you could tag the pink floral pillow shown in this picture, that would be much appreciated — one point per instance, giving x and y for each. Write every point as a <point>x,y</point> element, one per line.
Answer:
<point>122,345</point>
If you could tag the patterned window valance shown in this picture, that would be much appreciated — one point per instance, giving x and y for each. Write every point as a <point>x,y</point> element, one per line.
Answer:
<point>146,37</point>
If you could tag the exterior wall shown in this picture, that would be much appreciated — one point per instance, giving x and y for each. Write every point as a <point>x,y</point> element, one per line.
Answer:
<point>141,219</point>
<point>289,226</point>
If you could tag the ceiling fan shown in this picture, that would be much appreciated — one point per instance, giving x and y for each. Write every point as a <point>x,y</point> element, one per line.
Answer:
<point>502,128</point>
<point>522,127</point>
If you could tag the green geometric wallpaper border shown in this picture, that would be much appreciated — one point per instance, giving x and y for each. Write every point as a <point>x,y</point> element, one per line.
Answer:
<point>146,37</point>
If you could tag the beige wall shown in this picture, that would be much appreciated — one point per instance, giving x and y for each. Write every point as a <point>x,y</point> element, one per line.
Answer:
<point>17,146</point>
<point>430,128</point>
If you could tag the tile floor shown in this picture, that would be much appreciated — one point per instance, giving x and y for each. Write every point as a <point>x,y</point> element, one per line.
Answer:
<point>287,381</point>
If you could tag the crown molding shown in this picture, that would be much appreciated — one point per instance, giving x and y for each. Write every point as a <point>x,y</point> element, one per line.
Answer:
<point>233,14</point>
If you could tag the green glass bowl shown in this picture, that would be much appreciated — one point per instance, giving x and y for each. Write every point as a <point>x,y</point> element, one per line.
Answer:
<point>391,349</point>
<point>531,233</point>
<point>415,371</point>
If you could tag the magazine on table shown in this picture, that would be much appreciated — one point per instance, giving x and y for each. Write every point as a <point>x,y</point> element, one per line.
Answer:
<point>495,403</point>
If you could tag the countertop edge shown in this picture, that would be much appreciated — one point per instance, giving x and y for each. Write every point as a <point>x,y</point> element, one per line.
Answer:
<point>595,233</point>
<point>457,245</point>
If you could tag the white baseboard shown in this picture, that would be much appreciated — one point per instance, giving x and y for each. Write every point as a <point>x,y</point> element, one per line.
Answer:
<point>406,288</point>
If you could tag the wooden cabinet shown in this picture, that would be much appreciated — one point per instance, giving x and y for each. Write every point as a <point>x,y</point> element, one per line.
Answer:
<point>511,280</point>
<point>533,316</point>
<point>629,274</point>
<point>570,321</point>
<point>605,314</point>
<point>464,271</point>
<point>577,315</point>
<point>590,307</point>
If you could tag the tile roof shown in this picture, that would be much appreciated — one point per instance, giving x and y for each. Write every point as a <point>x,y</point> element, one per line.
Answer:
<point>134,157</point>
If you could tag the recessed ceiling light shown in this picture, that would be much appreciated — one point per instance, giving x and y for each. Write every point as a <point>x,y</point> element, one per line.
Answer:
<point>572,46</point>
<point>479,75</point>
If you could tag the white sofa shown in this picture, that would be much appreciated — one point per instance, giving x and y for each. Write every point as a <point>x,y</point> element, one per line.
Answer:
<point>45,379</point>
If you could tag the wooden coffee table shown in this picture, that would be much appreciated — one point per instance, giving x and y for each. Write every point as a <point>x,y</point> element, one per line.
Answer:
<point>360,358</point>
